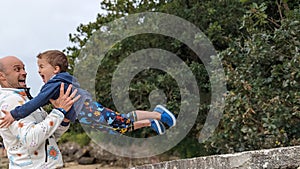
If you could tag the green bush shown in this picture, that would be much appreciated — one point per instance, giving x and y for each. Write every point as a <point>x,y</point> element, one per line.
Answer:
<point>262,106</point>
<point>258,42</point>
<point>81,138</point>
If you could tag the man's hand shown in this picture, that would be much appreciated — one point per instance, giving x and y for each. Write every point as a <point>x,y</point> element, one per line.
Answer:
<point>7,120</point>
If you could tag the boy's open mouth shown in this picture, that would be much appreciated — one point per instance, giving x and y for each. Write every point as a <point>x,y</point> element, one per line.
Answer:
<point>43,78</point>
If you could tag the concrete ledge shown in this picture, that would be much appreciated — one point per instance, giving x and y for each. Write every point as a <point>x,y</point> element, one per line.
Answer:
<point>285,157</point>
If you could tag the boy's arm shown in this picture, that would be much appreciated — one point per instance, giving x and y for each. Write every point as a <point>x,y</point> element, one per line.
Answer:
<point>47,92</point>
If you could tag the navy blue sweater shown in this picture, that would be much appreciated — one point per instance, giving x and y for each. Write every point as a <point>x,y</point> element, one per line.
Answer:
<point>50,90</point>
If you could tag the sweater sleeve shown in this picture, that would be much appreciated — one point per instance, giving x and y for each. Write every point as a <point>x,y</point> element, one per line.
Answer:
<point>33,134</point>
<point>47,92</point>
<point>30,131</point>
<point>60,131</point>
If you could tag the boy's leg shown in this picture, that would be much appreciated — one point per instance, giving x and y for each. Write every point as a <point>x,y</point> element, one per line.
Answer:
<point>156,125</point>
<point>99,117</point>
<point>142,123</point>
<point>141,115</point>
<point>94,114</point>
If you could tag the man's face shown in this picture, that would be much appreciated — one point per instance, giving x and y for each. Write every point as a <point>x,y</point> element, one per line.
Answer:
<point>14,74</point>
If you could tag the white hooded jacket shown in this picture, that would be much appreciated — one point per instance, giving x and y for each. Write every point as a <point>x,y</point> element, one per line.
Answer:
<point>30,142</point>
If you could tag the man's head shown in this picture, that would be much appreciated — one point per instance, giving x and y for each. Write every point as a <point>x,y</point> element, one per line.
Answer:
<point>12,72</point>
<point>50,63</point>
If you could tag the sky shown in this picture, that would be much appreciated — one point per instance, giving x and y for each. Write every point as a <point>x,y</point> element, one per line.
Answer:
<point>28,27</point>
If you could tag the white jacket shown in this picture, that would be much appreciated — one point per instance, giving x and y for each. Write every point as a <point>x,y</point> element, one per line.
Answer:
<point>30,142</point>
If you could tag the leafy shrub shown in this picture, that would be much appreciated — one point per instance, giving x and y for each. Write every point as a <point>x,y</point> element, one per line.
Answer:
<point>262,106</point>
<point>81,138</point>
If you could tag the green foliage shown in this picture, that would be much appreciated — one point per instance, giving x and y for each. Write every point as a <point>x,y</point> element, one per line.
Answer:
<point>188,148</point>
<point>81,138</point>
<point>262,106</point>
<point>219,20</point>
<point>258,42</point>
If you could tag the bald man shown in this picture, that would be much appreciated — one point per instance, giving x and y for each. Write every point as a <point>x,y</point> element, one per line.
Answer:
<point>12,72</point>
<point>30,142</point>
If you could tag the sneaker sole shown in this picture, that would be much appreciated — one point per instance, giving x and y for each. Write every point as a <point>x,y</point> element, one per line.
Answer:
<point>169,113</point>
<point>158,127</point>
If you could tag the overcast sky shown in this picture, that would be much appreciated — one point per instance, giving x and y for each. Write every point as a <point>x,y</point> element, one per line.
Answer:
<point>29,27</point>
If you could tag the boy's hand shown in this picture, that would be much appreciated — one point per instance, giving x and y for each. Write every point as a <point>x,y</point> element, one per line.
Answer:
<point>7,120</point>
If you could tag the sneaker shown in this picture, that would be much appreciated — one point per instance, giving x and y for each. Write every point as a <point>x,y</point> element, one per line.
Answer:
<point>166,116</point>
<point>158,127</point>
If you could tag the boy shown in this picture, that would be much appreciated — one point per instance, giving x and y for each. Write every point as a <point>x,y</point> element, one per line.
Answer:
<point>53,65</point>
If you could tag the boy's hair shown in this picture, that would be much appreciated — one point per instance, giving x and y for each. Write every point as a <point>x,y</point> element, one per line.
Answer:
<point>55,58</point>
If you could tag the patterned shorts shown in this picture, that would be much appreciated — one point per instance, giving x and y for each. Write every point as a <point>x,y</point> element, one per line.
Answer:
<point>95,115</point>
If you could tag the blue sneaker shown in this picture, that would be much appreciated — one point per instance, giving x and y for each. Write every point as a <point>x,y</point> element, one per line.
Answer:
<point>158,127</point>
<point>166,116</point>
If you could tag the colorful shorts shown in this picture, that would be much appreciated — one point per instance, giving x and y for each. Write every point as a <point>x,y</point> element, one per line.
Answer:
<point>101,118</point>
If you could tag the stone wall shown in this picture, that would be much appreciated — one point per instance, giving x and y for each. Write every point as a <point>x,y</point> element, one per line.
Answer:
<point>286,157</point>
<point>3,161</point>
<point>283,158</point>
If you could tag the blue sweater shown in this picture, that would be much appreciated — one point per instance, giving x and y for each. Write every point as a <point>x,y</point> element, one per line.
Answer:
<point>50,90</point>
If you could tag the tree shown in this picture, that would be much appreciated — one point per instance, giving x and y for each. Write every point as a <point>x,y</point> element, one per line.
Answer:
<point>262,106</point>
<point>258,42</point>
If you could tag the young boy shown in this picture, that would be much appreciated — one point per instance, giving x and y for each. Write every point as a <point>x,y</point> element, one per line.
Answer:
<point>53,65</point>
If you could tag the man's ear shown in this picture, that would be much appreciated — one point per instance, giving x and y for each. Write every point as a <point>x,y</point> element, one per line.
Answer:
<point>2,76</point>
<point>57,69</point>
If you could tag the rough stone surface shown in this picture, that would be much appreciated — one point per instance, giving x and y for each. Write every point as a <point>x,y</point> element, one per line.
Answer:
<point>286,157</point>
<point>283,158</point>
<point>86,160</point>
<point>3,162</point>
<point>94,154</point>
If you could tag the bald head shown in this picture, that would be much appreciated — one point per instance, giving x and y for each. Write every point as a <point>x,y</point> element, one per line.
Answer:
<point>12,72</point>
<point>6,60</point>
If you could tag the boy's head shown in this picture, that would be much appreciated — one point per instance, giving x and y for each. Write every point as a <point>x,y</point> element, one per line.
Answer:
<point>55,58</point>
<point>50,63</point>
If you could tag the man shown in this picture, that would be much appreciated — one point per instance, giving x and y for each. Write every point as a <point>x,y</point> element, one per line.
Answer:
<point>31,142</point>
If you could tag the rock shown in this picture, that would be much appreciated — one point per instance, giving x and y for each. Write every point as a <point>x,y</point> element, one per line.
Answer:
<point>84,152</point>
<point>285,157</point>
<point>93,153</point>
<point>68,159</point>
<point>86,160</point>
<point>69,148</point>
<point>100,154</point>
<point>4,162</point>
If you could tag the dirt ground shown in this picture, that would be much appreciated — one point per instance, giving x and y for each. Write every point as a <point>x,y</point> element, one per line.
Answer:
<point>72,165</point>
<point>94,166</point>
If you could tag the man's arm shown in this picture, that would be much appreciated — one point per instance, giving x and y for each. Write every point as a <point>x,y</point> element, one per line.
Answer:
<point>31,133</point>
<point>28,130</point>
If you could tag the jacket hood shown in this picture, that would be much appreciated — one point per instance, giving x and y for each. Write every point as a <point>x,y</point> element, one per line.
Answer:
<point>10,91</point>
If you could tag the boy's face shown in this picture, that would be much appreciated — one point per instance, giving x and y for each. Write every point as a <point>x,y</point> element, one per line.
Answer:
<point>46,70</point>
